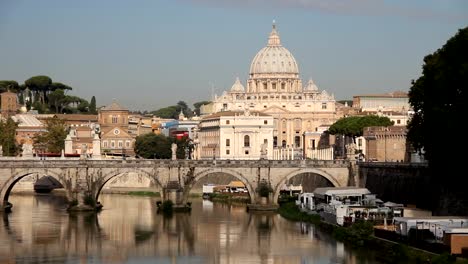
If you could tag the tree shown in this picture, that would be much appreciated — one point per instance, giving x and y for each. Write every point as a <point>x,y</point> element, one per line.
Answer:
<point>184,147</point>
<point>40,85</point>
<point>264,188</point>
<point>92,106</point>
<point>9,85</point>
<point>152,146</point>
<point>57,100</point>
<point>439,101</point>
<point>353,126</point>
<point>182,106</point>
<point>56,86</point>
<point>54,138</point>
<point>197,106</point>
<point>167,112</point>
<point>7,137</point>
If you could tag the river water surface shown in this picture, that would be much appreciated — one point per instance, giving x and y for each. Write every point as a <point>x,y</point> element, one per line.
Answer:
<point>128,230</point>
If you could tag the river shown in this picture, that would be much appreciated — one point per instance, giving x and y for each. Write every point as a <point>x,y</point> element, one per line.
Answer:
<point>128,230</point>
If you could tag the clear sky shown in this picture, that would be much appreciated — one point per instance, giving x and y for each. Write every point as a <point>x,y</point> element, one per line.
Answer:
<point>149,54</point>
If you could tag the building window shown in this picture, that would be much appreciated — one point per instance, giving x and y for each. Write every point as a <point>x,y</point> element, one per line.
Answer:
<point>246,141</point>
<point>283,86</point>
<point>324,105</point>
<point>114,119</point>
<point>104,144</point>
<point>283,143</point>
<point>265,122</point>
<point>228,152</point>
<point>360,142</point>
<point>228,142</point>
<point>112,144</point>
<point>120,144</point>
<point>398,121</point>
<point>127,144</point>
<point>312,143</point>
<point>273,86</point>
<point>246,152</point>
<point>297,123</point>
<point>297,141</point>
<point>264,86</point>
<point>275,142</point>
<point>265,141</point>
<point>228,122</point>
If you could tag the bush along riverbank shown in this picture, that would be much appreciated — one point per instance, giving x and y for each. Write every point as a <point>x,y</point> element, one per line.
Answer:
<point>229,198</point>
<point>360,237</point>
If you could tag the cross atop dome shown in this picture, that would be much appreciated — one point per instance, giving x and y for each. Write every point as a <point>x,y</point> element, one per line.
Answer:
<point>274,39</point>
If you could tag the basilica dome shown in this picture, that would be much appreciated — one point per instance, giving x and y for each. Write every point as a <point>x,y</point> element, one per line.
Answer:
<point>274,58</point>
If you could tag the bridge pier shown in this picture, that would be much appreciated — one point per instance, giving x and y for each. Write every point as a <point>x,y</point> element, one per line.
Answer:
<point>175,193</point>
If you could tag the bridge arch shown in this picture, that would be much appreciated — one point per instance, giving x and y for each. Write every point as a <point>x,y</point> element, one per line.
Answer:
<point>209,171</point>
<point>118,172</point>
<point>16,177</point>
<point>324,174</point>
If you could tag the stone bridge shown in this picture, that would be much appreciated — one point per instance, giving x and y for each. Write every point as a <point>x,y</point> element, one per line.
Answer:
<point>82,178</point>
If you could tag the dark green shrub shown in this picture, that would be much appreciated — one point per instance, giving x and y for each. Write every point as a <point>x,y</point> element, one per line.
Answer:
<point>264,188</point>
<point>88,199</point>
<point>167,207</point>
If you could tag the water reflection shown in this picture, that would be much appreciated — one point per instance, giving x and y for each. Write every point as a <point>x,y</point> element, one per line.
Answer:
<point>128,230</point>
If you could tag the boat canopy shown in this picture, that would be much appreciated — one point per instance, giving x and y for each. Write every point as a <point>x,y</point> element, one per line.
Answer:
<point>340,191</point>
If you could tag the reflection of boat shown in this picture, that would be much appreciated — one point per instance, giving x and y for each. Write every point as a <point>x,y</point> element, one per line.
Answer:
<point>46,184</point>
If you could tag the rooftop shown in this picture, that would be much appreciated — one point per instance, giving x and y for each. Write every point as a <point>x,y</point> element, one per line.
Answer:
<point>396,94</point>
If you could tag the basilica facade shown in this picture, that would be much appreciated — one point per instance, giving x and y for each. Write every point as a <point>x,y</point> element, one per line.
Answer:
<point>274,88</point>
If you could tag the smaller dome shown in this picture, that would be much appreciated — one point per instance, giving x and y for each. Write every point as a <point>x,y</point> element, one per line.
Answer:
<point>237,86</point>
<point>311,86</point>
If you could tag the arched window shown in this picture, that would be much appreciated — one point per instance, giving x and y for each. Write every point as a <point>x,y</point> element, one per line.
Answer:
<point>246,141</point>
<point>283,143</point>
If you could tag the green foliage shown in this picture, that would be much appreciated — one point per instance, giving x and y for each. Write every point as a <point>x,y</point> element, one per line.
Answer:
<point>167,112</point>
<point>152,146</point>
<point>89,199</point>
<point>92,106</point>
<point>173,111</point>
<point>73,202</point>
<point>359,232</point>
<point>12,86</point>
<point>7,137</point>
<point>353,126</point>
<point>167,207</point>
<point>57,85</point>
<point>54,139</point>
<point>182,106</point>
<point>264,188</point>
<point>439,100</point>
<point>197,106</point>
<point>184,147</point>
<point>291,211</point>
<point>143,193</point>
<point>57,100</point>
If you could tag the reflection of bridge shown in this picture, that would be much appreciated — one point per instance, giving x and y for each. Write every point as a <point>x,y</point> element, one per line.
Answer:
<point>80,177</point>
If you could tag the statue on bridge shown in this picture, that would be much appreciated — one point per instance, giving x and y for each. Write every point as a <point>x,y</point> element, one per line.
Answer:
<point>174,151</point>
